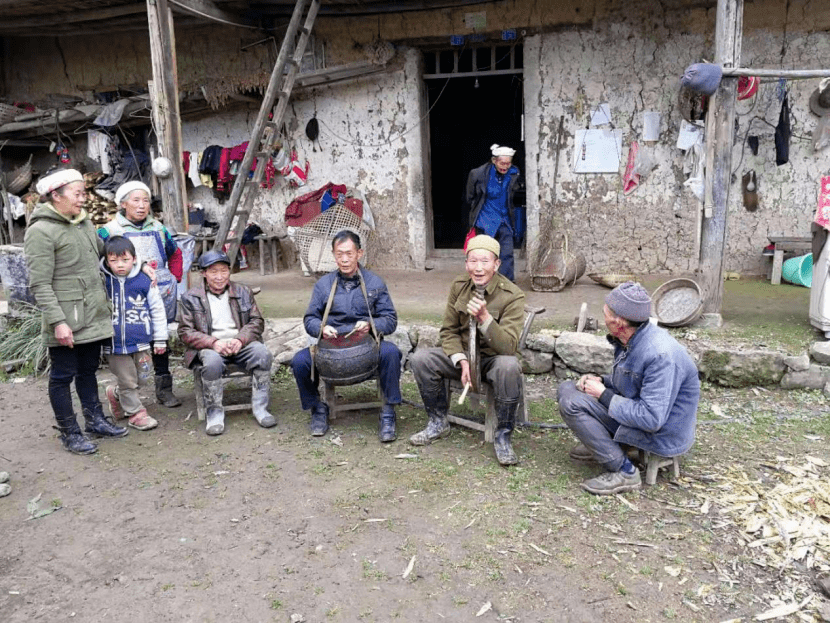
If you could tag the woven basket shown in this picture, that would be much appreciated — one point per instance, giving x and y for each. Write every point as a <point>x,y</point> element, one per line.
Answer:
<point>611,280</point>
<point>563,272</point>
<point>677,303</point>
<point>8,113</point>
<point>18,180</point>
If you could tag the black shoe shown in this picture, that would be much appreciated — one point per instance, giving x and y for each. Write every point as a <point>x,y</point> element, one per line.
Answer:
<point>97,424</point>
<point>319,419</point>
<point>76,443</point>
<point>387,432</point>
<point>164,391</point>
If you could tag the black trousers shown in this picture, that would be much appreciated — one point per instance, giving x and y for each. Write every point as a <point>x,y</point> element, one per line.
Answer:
<point>78,364</point>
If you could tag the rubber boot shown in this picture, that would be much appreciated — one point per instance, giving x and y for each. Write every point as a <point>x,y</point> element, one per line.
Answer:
<point>164,391</point>
<point>386,430</point>
<point>506,414</point>
<point>260,396</point>
<point>438,426</point>
<point>319,419</point>
<point>215,416</point>
<point>98,425</point>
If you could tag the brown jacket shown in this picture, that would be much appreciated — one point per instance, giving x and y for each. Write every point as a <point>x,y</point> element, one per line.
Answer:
<point>506,304</point>
<point>195,323</point>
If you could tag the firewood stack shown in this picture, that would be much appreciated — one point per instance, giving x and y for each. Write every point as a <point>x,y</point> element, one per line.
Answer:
<point>100,210</point>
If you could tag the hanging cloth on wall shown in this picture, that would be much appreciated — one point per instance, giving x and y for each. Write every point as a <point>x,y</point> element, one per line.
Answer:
<point>783,133</point>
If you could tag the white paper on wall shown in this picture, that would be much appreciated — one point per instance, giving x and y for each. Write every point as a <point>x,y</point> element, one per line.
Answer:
<point>690,134</point>
<point>651,126</point>
<point>597,151</point>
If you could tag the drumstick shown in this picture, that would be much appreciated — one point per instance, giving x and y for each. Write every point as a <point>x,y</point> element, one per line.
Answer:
<point>464,393</point>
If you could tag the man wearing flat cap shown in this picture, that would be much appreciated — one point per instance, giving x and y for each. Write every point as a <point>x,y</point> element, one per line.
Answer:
<point>649,401</point>
<point>489,304</point>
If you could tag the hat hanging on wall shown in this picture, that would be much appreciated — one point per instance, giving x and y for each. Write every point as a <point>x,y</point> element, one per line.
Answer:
<point>702,77</point>
<point>312,131</point>
<point>820,99</point>
<point>747,86</point>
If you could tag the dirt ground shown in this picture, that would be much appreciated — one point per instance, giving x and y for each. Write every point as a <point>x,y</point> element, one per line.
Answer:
<point>256,525</point>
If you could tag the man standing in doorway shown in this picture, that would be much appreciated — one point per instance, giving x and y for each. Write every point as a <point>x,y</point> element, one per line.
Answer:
<point>489,196</point>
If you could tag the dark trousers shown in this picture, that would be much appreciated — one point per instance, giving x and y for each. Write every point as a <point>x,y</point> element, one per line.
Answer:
<point>161,363</point>
<point>389,376</point>
<point>504,236</point>
<point>78,363</point>
<point>591,424</point>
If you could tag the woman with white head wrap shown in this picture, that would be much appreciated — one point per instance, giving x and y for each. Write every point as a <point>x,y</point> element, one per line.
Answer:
<point>62,254</point>
<point>489,197</point>
<point>155,245</point>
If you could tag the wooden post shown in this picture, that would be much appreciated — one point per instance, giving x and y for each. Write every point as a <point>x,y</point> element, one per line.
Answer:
<point>720,129</point>
<point>164,94</point>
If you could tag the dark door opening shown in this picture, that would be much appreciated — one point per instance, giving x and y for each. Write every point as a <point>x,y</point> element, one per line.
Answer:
<point>472,113</point>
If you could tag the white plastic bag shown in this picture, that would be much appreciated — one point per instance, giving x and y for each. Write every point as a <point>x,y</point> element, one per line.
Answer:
<point>693,167</point>
<point>821,133</point>
<point>643,163</point>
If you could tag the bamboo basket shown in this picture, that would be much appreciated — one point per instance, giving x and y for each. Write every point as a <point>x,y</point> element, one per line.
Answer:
<point>18,180</point>
<point>677,303</point>
<point>556,267</point>
<point>611,280</point>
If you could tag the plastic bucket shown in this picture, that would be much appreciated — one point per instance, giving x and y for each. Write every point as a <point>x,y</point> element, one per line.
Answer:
<point>14,273</point>
<point>799,270</point>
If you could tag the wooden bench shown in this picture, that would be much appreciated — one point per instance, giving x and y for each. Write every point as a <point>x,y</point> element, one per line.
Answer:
<point>273,243</point>
<point>782,245</point>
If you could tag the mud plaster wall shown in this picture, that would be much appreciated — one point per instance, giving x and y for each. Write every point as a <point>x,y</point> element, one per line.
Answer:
<point>369,139</point>
<point>633,63</point>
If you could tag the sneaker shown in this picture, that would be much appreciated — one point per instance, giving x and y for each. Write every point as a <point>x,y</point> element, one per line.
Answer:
<point>141,420</point>
<point>613,482</point>
<point>113,402</point>
<point>581,454</point>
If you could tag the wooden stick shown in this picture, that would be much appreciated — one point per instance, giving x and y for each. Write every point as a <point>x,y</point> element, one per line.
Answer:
<point>464,393</point>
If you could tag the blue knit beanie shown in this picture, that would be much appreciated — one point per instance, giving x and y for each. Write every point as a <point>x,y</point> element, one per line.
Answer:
<point>630,300</point>
<point>702,78</point>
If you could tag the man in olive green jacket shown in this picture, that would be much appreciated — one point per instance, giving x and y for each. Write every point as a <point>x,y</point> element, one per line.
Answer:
<point>490,305</point>
<point>62,252</point>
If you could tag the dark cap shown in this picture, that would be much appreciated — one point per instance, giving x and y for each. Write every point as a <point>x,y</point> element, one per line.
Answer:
<point>209,258</point>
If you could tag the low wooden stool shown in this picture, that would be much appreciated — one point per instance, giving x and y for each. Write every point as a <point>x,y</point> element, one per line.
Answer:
<point>490,417</point>
<point>654,462</point>
<point>233,374</point>
<point>336,407</point>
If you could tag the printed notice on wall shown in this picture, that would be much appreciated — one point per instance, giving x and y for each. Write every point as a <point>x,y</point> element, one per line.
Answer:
<point>476,21</point>
<point>690,133</point>
<point>597,151</point>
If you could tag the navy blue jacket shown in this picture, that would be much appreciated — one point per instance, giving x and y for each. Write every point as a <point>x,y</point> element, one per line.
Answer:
<point>475,193</point>
<point>349,306</point>
<point>138,316</point>
<point>656,389</point>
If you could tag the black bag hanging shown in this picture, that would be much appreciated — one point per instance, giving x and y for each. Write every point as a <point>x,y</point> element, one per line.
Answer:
<point>782,134</point>
<point>312,131</point>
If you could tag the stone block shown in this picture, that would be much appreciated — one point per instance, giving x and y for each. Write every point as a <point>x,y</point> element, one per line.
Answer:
<point>424,336</point>
<point>820,351</point>
<point>544,341</point>
<point>815,377</point>
<point>585,353</point>
<point>797,363</point>
<point>709,321</point>
<point>742,368</point>
<point>535,362</point>
<point>401,339</point>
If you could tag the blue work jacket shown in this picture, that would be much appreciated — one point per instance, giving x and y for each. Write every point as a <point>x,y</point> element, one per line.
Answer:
<point>656,389</point>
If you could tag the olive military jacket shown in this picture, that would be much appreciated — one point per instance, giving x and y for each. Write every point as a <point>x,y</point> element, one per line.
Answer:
<point>65,277</point>
<point>505,302</point>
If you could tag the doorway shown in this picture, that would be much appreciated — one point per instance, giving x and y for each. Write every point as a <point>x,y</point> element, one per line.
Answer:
<point>468,113</point>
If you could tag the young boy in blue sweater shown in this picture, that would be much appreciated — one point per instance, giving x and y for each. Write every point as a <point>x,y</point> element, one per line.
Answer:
<point>138,321</point>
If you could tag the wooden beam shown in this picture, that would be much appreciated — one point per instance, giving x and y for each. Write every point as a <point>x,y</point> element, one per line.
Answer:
<point>70,17</point>
<point>789,74</point>
<point>720,129</point>
<point>208,10</point>
<point>166,117</point>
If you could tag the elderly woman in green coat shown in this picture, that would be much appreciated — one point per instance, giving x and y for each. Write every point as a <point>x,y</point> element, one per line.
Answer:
<point>62,251</point>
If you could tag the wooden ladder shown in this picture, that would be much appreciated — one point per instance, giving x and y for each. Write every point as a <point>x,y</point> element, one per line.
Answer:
<point>262,143</point>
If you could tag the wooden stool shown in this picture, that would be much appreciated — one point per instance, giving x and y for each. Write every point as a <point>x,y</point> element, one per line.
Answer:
<point>782,245</point>
<point>490,417</point>
<point>276,252</point>
<point>654,462</point>
<point>336,407</point>
<point>232,374</point>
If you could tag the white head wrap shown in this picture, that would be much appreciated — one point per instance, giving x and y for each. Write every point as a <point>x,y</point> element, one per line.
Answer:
<point>125,189</point>
<point>57,179</point>
<point>498,150</point>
